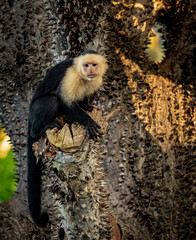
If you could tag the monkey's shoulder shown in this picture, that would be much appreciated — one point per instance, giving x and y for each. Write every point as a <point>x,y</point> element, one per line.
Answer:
<point>53,78</point>
<point>59,70</point>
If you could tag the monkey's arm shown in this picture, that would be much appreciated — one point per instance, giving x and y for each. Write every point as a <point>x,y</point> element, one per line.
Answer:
<point>85,105</point>
<point>76,113</point>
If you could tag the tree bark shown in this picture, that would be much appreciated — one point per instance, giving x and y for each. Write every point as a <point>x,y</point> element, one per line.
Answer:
<point>139,177</point>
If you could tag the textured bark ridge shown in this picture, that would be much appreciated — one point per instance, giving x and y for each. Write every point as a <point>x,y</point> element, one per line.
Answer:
<point>151,142</point>
<point>76,190</point>
<point>69,138</point>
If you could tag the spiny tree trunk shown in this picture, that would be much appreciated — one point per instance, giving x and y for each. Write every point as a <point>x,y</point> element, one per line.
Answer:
<point>141,174</point>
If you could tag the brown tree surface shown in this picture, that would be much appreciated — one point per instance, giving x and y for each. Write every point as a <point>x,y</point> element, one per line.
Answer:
<point>138,181</point>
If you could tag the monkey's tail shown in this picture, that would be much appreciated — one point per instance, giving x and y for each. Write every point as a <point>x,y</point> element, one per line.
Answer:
<point>34,186</point>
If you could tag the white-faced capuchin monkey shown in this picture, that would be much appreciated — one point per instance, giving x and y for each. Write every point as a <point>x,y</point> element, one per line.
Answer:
<point>64,90</point>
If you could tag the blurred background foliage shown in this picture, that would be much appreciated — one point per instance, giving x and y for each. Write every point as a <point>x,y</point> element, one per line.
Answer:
<point>7,167</point>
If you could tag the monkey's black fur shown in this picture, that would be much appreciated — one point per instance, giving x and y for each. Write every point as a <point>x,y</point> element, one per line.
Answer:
<point>45,106</point>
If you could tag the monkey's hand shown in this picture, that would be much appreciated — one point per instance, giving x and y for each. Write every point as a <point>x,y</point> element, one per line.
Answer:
<point>93,129</point>
<point>76,113</point>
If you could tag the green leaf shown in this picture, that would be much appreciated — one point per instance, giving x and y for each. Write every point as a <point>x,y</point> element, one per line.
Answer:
<point>7,169</point>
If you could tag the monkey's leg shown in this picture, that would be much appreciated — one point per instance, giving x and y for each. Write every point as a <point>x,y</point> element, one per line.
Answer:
<point>42,115</point>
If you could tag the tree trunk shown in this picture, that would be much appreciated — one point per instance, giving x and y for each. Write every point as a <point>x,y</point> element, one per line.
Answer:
<point>137,182</point>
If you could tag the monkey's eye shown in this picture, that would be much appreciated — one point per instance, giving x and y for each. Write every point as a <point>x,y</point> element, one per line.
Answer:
<point>94,64</point>
<point>86,65</point>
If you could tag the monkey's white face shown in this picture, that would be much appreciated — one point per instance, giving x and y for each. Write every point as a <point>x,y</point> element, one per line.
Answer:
<point>90,70</point>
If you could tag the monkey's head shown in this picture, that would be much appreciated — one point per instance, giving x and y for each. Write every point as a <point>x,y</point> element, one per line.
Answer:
<point>90,65</point>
